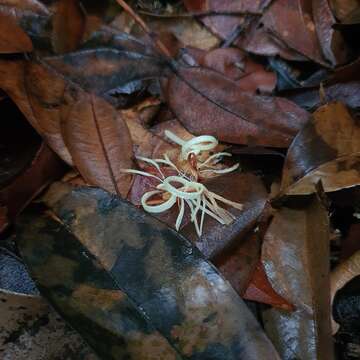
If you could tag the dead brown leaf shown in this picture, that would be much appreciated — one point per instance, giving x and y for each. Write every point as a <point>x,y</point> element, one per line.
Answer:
<point>99,143</point>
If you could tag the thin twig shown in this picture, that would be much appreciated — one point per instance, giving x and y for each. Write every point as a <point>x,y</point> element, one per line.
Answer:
<point>159,44</point>
<point>200,14</point>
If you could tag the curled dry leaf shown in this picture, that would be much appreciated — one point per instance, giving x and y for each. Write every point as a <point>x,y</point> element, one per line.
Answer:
<point>341,275</point>
<point>100,144</point>
<point>331,40</point>
<point>326,149</point>
<point>144,274</point>
<point>13,39</point>
<point>208,103</point>
<point>344,8</point>
<point>295,255</point>
<point>68,26</point>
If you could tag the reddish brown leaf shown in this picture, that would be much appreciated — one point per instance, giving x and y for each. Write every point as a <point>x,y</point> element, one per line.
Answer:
<point>327,149</point>
<point>256,39</point>
<point>46,94</point>
<point>236,65</point>
<point>44,169</point>
<point>13,38</point>
<point>100,144</point>
<point>260,290</point>
<point>68,26</point>
<point>208,103</point>
<point>292,22</point>
<point>331,40</point>
<point>238,264</point>
<point>344,8</point>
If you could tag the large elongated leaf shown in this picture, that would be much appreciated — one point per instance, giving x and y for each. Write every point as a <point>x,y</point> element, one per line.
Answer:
<point>295,254</point>
<point>208,103</point>
<point>328,148</point>
<point>100,144</point>
<point>149,275</point>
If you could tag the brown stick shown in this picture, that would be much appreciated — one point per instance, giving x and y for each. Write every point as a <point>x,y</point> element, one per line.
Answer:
<point>159,44</point>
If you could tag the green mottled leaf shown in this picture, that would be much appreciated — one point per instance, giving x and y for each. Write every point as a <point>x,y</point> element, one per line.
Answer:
<point>131,286</point>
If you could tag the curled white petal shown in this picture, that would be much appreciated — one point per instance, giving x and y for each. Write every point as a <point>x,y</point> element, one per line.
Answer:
<point>156,209</point>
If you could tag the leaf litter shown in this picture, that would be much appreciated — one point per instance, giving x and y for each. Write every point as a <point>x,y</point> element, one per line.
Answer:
<point>235,124</point>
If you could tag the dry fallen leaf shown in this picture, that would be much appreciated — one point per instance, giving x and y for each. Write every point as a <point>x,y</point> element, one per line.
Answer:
<point>326,149</point>
<point>99,143</point>
<point>208,103</point>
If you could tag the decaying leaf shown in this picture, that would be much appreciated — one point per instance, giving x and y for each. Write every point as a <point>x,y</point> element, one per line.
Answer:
<point>144,275</point>
<point>100,144</point>
<point>295,255</point>
<point>68,26</point>
<point>30,329</point>
<point>12,38</point>
<point>327,149</point>
<point>208,103</point>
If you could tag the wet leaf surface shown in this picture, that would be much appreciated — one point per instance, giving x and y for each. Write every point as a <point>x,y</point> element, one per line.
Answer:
<point>327,149</point>
<point>208,103</point>
<point>178,293</point>
<point>295,255</point>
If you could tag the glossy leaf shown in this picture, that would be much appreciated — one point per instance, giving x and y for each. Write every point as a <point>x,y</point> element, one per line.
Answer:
<point>100,144</point>
<point>295,255</point>
<point>327,149</point>
<point>112,256</point>
<point>208,103</point>
<point>68,26</point>
<point>12,38</point>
